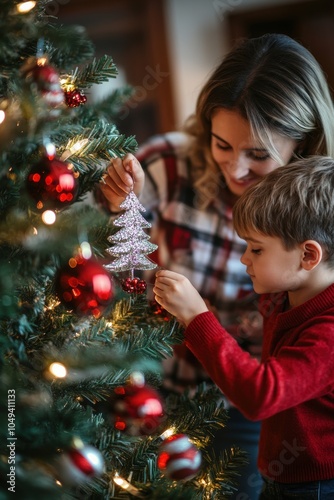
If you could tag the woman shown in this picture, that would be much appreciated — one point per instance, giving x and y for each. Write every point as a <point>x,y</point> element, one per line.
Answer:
<point>265,104</point>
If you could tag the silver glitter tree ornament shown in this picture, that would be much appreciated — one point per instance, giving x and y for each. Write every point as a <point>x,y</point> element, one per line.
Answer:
<point>131,244</point>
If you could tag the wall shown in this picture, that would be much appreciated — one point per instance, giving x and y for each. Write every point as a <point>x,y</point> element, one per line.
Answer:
<point>198,39</point>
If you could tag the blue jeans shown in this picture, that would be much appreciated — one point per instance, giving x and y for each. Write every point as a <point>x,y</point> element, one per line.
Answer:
<point>313,490</point>
<point>243,433</point>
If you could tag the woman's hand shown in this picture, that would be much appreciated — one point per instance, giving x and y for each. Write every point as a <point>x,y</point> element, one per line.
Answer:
<point>177,295</point>
<point>122,176</point>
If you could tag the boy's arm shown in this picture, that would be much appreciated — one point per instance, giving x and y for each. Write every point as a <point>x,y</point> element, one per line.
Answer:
<point>297,373</point>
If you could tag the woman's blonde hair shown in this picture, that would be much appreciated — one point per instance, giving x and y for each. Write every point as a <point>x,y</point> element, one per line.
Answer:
<point>278,87</point>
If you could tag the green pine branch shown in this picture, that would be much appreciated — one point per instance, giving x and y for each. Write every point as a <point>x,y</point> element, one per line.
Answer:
<point>98,71</point>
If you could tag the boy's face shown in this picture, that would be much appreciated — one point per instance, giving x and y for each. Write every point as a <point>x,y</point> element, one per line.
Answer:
<point>270,266</point>
<point>241,160</point>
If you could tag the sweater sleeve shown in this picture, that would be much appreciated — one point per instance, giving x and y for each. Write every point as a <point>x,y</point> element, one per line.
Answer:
<point>296,374</point>
<point>159,158</point>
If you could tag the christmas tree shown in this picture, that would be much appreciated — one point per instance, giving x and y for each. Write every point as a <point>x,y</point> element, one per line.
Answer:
<point>82,415</point>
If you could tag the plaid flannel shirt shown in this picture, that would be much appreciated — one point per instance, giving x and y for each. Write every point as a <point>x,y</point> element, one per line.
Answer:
<point>200,244</point>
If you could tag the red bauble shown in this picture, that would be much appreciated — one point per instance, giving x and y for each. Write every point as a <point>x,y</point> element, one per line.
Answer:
<point>178,458</point>
<point>159,311</point>
<point>84,286</point>
<point>74,98</point>
<point>52,183</point>
<point>47,81</point>
<point>134,285</point>
<point>134,409</point>
<point>79,465</point>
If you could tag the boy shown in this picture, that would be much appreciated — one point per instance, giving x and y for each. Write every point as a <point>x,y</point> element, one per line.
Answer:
<point>287,221</point>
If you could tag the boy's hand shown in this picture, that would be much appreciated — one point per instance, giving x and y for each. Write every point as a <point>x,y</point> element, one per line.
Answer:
<point>177,295</point>
<point>122,176</point>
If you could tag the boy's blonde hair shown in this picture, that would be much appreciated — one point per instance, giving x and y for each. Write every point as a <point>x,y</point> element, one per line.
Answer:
<point>294,204</point>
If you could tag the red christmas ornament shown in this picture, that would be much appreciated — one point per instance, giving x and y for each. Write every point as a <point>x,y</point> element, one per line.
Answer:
<point>84,286</point>
<point>178,458</point>
<point>47,81</point>
<point>159,311</point>
<point>135,409</point>
<point>74,98</point>
<point>79,465</point>
<point>134,285</point>
<point>52,183</point>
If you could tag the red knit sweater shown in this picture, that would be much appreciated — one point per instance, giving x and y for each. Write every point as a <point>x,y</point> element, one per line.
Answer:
<point>291,390</point>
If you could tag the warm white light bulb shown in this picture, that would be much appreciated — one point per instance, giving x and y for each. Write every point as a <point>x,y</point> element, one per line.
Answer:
<point>74,149</point>
<point>125,485</point>
<point>25,7</point>
<point>118,480</point>
<point>58,370</point>
<point>167,433</point>
<point>48,217</point>
<point>86,250</point>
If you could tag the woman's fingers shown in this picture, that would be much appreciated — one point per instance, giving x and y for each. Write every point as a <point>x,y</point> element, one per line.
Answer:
<point>117,180</point>
<point>122,175</point>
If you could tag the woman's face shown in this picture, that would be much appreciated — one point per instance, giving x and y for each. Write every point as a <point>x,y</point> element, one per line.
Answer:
<point>241,159</point>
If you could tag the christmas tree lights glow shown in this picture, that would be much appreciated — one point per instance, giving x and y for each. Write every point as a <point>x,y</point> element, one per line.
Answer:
<point>70,338</point>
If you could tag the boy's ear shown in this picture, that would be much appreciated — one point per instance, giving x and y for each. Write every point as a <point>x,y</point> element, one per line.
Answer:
<point>312,254</point>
